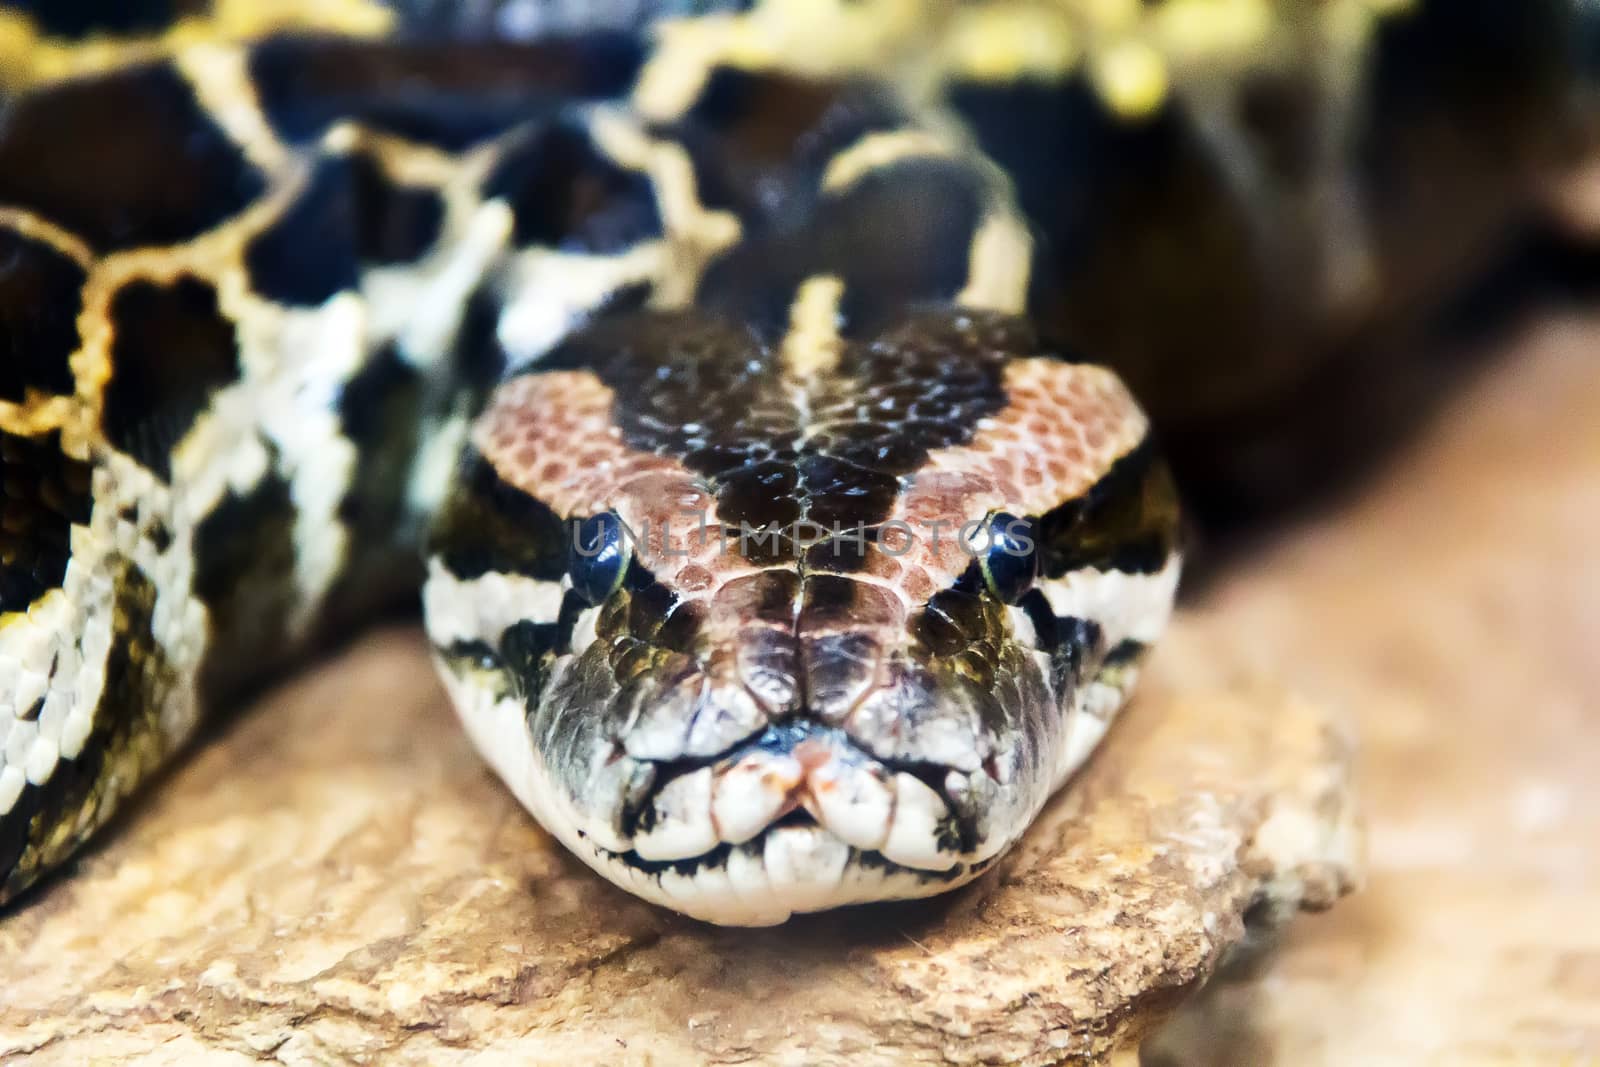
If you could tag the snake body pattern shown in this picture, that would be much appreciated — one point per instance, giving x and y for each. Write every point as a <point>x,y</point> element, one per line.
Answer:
<point>726,372</point>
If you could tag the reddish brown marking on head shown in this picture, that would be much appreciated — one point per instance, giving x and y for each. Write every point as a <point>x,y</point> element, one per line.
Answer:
<point>1063,427</point>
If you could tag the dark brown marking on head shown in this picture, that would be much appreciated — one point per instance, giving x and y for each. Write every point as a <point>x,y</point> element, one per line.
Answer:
<point>709,393</point>
<point>171,350</point>
<point>565,193</point>
<point>40,297</point>
<point>43,494</point>
<point>921,383</point>
<point>123,159</point>
<point>849,549</point>
<point>451,95</point>
<point>765,597</point>
<point>833,602</point>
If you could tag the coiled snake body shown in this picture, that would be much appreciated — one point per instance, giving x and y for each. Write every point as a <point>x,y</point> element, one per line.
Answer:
<point>782,550</point>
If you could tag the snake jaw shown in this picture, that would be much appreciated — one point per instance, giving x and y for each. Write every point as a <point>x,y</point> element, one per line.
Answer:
<point>806,774</point>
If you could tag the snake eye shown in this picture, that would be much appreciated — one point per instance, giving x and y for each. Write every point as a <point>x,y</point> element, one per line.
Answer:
<point>1010,561</point>
<point>598,557</point>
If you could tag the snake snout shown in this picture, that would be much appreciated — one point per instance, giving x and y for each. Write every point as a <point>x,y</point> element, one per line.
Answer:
<point>799,775</point>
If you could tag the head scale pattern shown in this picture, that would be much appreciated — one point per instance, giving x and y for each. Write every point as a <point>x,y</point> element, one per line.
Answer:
<point>801,629</point>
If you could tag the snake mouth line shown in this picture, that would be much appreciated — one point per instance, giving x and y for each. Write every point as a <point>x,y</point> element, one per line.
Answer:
<point>753,850</point>
<point>795,775</point>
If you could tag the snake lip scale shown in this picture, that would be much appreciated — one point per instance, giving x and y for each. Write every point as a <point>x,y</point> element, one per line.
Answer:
<point>302,309</point>
<point>801,769</point>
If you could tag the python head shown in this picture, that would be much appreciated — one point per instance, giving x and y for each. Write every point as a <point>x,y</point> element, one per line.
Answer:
<point>756,632</point>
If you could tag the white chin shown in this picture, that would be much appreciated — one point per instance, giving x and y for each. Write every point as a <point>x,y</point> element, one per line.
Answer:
<point>785,871</point>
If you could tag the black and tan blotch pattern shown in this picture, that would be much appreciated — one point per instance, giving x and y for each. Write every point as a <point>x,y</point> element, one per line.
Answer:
<point>165,271</point>
<point>251,296</point>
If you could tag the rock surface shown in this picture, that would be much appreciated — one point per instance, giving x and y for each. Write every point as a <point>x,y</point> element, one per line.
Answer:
<point>1455,610</point>
<point>338,878</point>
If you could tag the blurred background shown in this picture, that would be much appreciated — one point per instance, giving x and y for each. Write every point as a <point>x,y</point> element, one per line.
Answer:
<point>1347,252</point>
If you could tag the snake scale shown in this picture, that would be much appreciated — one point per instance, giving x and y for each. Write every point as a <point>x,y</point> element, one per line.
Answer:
<point>729,378</point>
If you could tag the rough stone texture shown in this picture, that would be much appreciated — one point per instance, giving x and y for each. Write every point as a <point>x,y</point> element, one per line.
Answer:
<point>338,878</point>
<point>1456,611</point>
